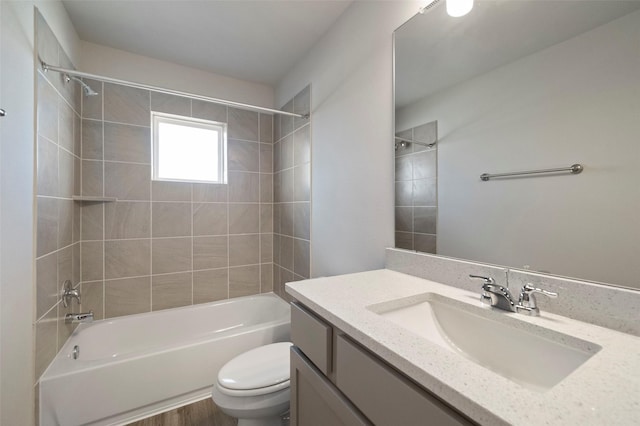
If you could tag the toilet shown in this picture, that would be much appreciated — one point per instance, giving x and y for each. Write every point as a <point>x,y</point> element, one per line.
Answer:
<point>254,386</point>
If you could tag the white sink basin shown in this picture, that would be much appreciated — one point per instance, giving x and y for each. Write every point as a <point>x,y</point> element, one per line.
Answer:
<point>532,356</point>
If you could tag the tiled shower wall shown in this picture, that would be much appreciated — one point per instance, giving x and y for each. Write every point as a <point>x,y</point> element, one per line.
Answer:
<point>168,244</point>
<point>58,216</point>
<point>416,189</point>
<point>292,193</point>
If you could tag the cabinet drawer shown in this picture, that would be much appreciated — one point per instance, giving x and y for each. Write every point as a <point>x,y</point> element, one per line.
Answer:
<point>386,397</point>
<point>312,335</point>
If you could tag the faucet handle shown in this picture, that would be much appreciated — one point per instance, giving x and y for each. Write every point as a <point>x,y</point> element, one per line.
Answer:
<point>487,285</point>
<point>529,289</point>
<point>486,280</point>
<point>528,303</point>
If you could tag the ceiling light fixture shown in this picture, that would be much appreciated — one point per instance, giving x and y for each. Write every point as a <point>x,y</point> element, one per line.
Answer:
<point>458,8</point>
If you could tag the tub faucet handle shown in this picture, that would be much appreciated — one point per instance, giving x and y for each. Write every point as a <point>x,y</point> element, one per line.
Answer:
<point>68,292</point>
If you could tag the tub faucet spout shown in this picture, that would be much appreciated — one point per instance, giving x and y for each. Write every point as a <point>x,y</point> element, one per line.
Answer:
<point>78,318</point>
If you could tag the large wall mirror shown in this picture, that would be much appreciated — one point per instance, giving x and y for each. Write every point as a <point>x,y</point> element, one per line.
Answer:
<point>517,86</point>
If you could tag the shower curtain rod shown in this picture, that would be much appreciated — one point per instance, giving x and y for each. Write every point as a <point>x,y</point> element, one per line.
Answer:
<point>46,67</point>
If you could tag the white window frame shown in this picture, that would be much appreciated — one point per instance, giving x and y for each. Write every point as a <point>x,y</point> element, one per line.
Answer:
<point>221,128</point>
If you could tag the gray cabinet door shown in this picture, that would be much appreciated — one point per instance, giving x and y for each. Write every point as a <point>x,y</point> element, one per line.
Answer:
<point>386,397</point>
<point>315,401</point>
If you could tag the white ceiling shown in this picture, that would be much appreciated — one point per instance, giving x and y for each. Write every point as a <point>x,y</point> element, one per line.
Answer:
<point>257,41</point>
<point>434,51</point>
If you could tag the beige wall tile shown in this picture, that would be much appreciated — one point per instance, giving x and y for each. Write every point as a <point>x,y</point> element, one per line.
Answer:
<point>47,225</point>
<point>66,183</point>
<point>244,218</point>
<point>286,186</point>
<point>266,248</point>
<point>92,254</point>
<point>286,252</point>
<point>286,219</point>
<point>210,193</point>
<point>243,155</point>
<point>65,271</point>
<point>425,243</point>
<point>403,217</point>
<point>210,252</point>
<point>92,105</point>
<point>92,221</point>
<point>127,143</point>
<point>170,104</point>
<point>244,187</point>
<point>77,136</point>
<point>127,181</point>
<point>302,183</point>
<point>244,249</point>
<point>210,285</point>
<point>424,220</point>
<point>47,114</point>
<point>171,255</point>
<point>277,222</point>
<point>65,222</point>
<point>47,180</point>
<point>286,122</point>
<point>46,341</point>
<point>46,283</point>
<point>243,124</point>
<point>244,281</point>
<point>266,128</point>
<point>124,104</point>
<point>93,298</point>
<point>126,258</point>
<point>301,257</point>
<point>404,240</point>
<point>266,158</point>
<point>171,290</point>
<point>276,248</point>
<point>266,187</point>
<point>277,157</point>
<point>92,178</point>
<point>302,146</point>
<point>286,152</point>
<point>170,191</point>
<point>66,116</point>
<point>209,111</point>
<point>92,140</point>
<point>301,220</point>
<point>266,277</point>
<point>277,132</point>
<point>266,218</point>
<point>127,296</point>
<point>424,192</point>
<point>424,164</point>
<point>127,219</point>
<point>209,219</point>
<point>171,219</point>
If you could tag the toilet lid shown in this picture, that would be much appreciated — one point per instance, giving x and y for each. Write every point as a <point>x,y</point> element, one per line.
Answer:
<point>258,368</point>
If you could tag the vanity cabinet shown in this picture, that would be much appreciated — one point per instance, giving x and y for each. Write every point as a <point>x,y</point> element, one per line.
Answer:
<point>336,381</point>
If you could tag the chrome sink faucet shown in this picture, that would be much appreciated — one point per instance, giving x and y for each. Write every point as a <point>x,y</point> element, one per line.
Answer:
<point>500,297</point>
<point>495,295</point>
<point>527,303</point>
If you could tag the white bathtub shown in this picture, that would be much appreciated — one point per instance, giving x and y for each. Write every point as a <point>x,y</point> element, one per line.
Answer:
<point>139,365</point>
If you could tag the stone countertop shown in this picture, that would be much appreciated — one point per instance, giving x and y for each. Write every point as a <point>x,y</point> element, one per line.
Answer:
<point>605,390</point>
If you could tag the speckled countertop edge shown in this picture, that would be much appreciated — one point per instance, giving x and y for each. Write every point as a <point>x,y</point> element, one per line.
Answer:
<point>604,390</point>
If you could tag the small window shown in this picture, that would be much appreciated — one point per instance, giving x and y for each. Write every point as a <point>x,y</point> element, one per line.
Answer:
<point>188,149</point>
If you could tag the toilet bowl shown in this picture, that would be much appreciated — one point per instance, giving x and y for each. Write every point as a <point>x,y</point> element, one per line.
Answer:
<point>254,386</point>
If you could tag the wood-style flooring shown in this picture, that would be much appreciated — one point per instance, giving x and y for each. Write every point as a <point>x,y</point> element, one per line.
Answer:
<point>202,413</point>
